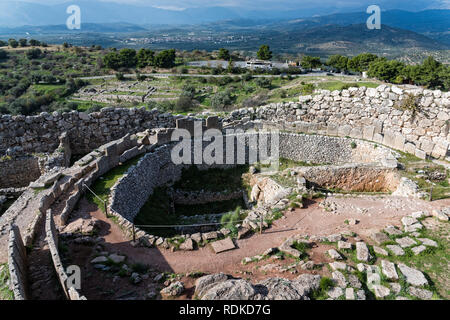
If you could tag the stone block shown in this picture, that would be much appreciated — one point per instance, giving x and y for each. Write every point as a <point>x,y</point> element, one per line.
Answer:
<point>344,131</point>
<point>332,130</point>
<point>356,133</point>
<point>420,154</point>
<point>368,132</point>
<point>389,138</point>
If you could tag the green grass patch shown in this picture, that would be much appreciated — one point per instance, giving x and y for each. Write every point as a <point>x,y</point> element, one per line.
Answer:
<point>5,292</point>
<point>102,186</point>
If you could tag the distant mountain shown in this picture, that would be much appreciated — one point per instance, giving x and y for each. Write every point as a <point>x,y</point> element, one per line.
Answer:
<point>62,29</point>
<point>16,13</point>
<point>358,36</point>
<point>423,21</point>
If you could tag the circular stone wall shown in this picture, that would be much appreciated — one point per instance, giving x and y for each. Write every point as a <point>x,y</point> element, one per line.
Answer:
<point>157,169</point>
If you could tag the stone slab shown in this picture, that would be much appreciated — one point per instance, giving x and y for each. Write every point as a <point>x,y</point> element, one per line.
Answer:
<point>223,245</point>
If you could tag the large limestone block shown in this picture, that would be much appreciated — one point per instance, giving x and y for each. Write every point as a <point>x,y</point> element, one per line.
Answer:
<point>368,132</point>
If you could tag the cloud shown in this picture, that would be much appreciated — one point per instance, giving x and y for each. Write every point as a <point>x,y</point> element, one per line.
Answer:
<point>341,5</point>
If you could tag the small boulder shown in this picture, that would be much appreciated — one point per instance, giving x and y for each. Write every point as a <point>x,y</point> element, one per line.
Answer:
<point>405,242</point>
<point>116,258</point>
<point>381,291</point>
<point>413,276</point>
<point>334,254</point>
<point>422,294</point>
<point>396,250</point>
<point>99,260</point>
<point>173,290</point>
<point>362,252</point>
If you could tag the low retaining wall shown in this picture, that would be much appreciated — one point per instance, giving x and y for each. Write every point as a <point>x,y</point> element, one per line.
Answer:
<point>52,241</point>
<point>202,197</point>
<point>17,263</point>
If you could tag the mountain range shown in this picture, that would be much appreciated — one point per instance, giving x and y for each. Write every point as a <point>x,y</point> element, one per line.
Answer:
<point>114,24</point>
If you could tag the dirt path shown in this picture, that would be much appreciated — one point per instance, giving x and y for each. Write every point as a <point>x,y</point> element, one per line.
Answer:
<point>42,279</point>
<point>373,213</point>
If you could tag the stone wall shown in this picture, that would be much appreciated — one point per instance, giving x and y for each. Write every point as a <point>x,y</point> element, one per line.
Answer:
<point>202,197</point>
<point>365,113</point>
<point>157,169</point>
<point>17,263</point>
<point>41,133</point>
<point>320,149</point>
<point>18,172</point>
<point>52,241</point>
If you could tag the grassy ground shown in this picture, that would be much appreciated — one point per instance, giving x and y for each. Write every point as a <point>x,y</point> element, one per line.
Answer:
<point>158,211</point>
<point>281,89</point>
<point>434,262</point>
<point>102,186</point>
<point>412,165</point>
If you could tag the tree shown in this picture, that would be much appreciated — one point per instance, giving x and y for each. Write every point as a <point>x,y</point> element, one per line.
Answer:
<point>264,52</point>
<point>128,58</point>
<point>34,53</point>
<point>361,62</point>
<point>165,59</point>
<point>264,83</point>
<point>385,70</point>
<point>145,58</point>
<point>3,43</point>
<point>431,71</point>
<point>112,60</point>
<point>310,63</point>
<point>13,43</point>
<point>223,54</point>
<point>338,62</point>
<point>3,54</point>
<point>34,43</point>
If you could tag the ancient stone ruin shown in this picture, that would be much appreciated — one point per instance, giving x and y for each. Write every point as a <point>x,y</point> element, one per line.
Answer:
<point>350,139</point>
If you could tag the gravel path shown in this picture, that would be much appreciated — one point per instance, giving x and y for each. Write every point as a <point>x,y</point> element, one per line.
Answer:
<point>373,213</point>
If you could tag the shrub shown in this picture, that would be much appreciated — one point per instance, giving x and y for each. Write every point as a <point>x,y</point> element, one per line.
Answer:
<point>120,76</point>
<point>410,102</point>
<point>307,88</point>
<point>231,219</point>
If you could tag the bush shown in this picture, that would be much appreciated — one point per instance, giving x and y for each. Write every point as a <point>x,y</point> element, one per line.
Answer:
<point>231,219</point>
<point>222,100</point>
<point>308,88</point>
<point>120,76</point>
<point>410,102</point>
<point>34,53</point>
<point>184,103</point>
<point>264,82</point>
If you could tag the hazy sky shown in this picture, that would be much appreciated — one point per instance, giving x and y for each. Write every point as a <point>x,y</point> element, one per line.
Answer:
<point>280,4</point>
